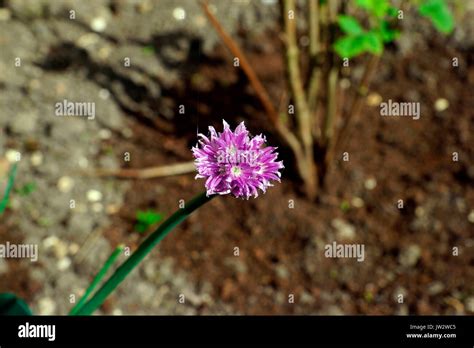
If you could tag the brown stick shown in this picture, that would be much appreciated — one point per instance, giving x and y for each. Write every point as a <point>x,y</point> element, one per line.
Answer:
<point>246,67</point>
<point>262,94</point>
<point>146,173</point>
<point>303,114</point>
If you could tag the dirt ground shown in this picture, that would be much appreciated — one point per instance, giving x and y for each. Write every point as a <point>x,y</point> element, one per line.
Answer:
<point>409,251</point>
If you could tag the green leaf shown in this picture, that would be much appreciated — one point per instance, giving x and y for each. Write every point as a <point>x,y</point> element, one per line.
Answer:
<point>439,14</point>
<point>378,8</point>
<point>145,219</point>
<point>12,305</point>
<point>349,46</point>
<point>349,25</point>
<point>386,33</point>
<point>373,43</point>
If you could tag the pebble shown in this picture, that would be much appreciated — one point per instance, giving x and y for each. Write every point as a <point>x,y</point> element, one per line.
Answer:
<point>470,217</point>
<point>410,256</point>
<point>374,99</point>
<point>65,184</point>
<point>5,14</point>
<point>94,196</point>
<point>344,230</point>
<point>282,271</point>
<point>370,183</point>
<point>50,241</point>
<point>441,104</point>
<point>64,263</point>
<point>97,207</point>
<point>345,83</point>
<point>470,304</point>
<point>105,134</point>
<point>12,155</point>
<point>435,288</point>
<point>83,162</point>
<point>3,266</point>
<point>98,24</point>
<point>74,248</point>
<point>357,202</point>
<point>104,94</point>
<point>46,306</point>
<point>36,159</point>
<point>179,13</point>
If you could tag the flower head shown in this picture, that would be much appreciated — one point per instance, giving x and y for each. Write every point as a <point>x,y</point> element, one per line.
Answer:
<point>234,162</point>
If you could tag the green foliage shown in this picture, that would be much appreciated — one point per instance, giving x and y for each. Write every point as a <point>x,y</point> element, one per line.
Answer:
<point>26,189</point>
<point>12,305</point>
<point>145,219</point>
<point>378,8</point>
<point>357,40</point>
<point>349,25</point>
<point>439,14</point>
<point>11,181</point>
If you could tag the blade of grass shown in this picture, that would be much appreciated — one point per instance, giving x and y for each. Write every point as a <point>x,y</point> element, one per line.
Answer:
<point>11,181</point>
<point>103,271</point>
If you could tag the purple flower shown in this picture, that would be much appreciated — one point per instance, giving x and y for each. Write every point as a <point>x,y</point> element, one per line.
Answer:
<point>234,162</point>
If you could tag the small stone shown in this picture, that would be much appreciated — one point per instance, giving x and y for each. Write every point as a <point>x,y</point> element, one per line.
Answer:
<point>357,202</point>
<point>65,184</point>
<point>36,159</point>
<point>97,207</point>
<point>410,256</point>
<point>420,212</point>
<point>179,13</point>
<point>24,122</point>
<point>441,104</point>
<point>98,24</point>
<point>83,162</point>
<point>345,83</point>
<point>46,306</point>
<point>370,183</point>
<point>344,230</point>
<point>374,99</point>
<point>470,217</point>
<point>127,133</point>
<point>112,209</point>
<point>282,271</point>
<point>94,196</point>
<point>74,248</point>
<point>3,266</point>
<point>12,155</point>
<point>5,14</point>
<point>435,288</point>
<point>104,94</point>
<point>105,134</point>
<point>64,263</point>
<point>50,241</point>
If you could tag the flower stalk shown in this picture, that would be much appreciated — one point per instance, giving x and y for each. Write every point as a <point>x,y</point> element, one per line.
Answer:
<point>143,250</point>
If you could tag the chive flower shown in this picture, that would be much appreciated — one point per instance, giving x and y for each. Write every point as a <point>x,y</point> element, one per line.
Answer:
<point>236,163</point>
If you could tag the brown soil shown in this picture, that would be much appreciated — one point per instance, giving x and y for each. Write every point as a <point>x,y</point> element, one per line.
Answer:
<point>410,160</point>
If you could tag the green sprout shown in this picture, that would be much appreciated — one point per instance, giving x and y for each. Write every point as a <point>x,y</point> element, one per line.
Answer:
<point>357,40</point>
<point>146,219</point>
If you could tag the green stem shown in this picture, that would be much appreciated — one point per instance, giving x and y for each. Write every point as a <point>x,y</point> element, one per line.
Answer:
<point>147,245</point>
<point>11,180</point>
<point>103,271</point>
